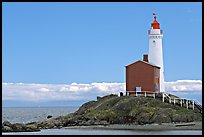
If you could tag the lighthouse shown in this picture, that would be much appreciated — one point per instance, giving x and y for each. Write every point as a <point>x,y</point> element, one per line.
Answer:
<point>155,55</point>
<point>147,75</point>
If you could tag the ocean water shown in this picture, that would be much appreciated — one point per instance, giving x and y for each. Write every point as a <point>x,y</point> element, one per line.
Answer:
<point>25,115</point>
<point>106,132</point>
<point>33,114</point>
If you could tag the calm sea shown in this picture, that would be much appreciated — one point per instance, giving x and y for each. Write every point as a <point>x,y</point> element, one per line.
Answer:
<point>106,132</point>
<point>32,114</point>
<point>25,115</point>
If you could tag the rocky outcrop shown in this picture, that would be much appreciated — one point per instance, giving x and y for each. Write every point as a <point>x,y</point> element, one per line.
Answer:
<point>18,127</point>
<point>112,109</point>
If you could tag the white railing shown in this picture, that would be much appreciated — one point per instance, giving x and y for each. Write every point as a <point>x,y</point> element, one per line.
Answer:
<point>176,101</point>
<point>198,104</point>
<point>142,93</point>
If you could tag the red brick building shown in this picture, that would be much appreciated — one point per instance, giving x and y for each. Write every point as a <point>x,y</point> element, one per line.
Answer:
<point>142,76</point>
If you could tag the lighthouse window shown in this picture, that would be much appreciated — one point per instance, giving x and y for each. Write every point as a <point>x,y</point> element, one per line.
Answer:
<point>154,43</point>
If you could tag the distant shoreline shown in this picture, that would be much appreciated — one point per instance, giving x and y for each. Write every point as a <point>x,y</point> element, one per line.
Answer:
<point>150,127</point>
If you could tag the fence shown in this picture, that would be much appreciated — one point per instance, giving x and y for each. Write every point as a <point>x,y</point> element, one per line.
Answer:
<point>183,102</point>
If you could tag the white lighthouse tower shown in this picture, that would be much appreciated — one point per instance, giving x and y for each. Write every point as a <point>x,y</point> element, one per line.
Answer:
<point>155,55</point>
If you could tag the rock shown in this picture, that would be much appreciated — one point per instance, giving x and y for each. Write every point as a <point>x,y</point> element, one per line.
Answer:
<point>143,118</point>
<point>84,107</point>
<point>160,118</point>
<point>89,123</point>
<point>31,123</point>
<point>179,118</point>
<point>69,122</point>
<point>58,123</point>
<point>49,116</point>
<point>32,128</point>
<point>6,123</point>
<point>103,122</point>
<point>18,127</point>
<point>6,129</point>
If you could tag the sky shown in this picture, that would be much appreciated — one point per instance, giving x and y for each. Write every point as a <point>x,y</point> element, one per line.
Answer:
<point>69,53</point>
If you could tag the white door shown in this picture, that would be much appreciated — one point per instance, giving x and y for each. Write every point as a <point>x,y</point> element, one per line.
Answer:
<point>156,88</point>
<point>138,89</point>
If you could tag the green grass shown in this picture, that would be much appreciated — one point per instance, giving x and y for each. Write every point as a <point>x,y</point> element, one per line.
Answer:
<point>105,114</point>
<point>182,111</point>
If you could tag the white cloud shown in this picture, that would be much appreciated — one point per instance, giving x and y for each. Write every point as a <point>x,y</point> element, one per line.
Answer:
<point>44,89</point>
<point>184,85</point>
<point>50,92</point>
<point>74,91</point>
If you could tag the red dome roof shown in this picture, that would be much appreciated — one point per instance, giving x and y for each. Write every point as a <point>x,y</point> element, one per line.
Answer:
<point>155,24</point>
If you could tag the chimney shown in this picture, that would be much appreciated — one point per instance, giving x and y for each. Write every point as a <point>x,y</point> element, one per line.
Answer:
<point>145,57</point>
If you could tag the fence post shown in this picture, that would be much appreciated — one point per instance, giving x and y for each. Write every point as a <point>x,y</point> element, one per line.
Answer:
<point>136,93</point>
<point>163,97</point>
<point>187,104</point>
<point>145,94</point>
<point>154,95</point>
<point>174,101</point>
<point>181,102</point>
<point>193,104</point>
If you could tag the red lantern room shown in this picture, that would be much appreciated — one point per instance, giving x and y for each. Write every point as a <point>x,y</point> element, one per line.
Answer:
<point>155,24</point>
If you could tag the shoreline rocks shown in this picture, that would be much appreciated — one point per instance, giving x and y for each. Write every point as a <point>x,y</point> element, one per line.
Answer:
<point>18,127</point>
